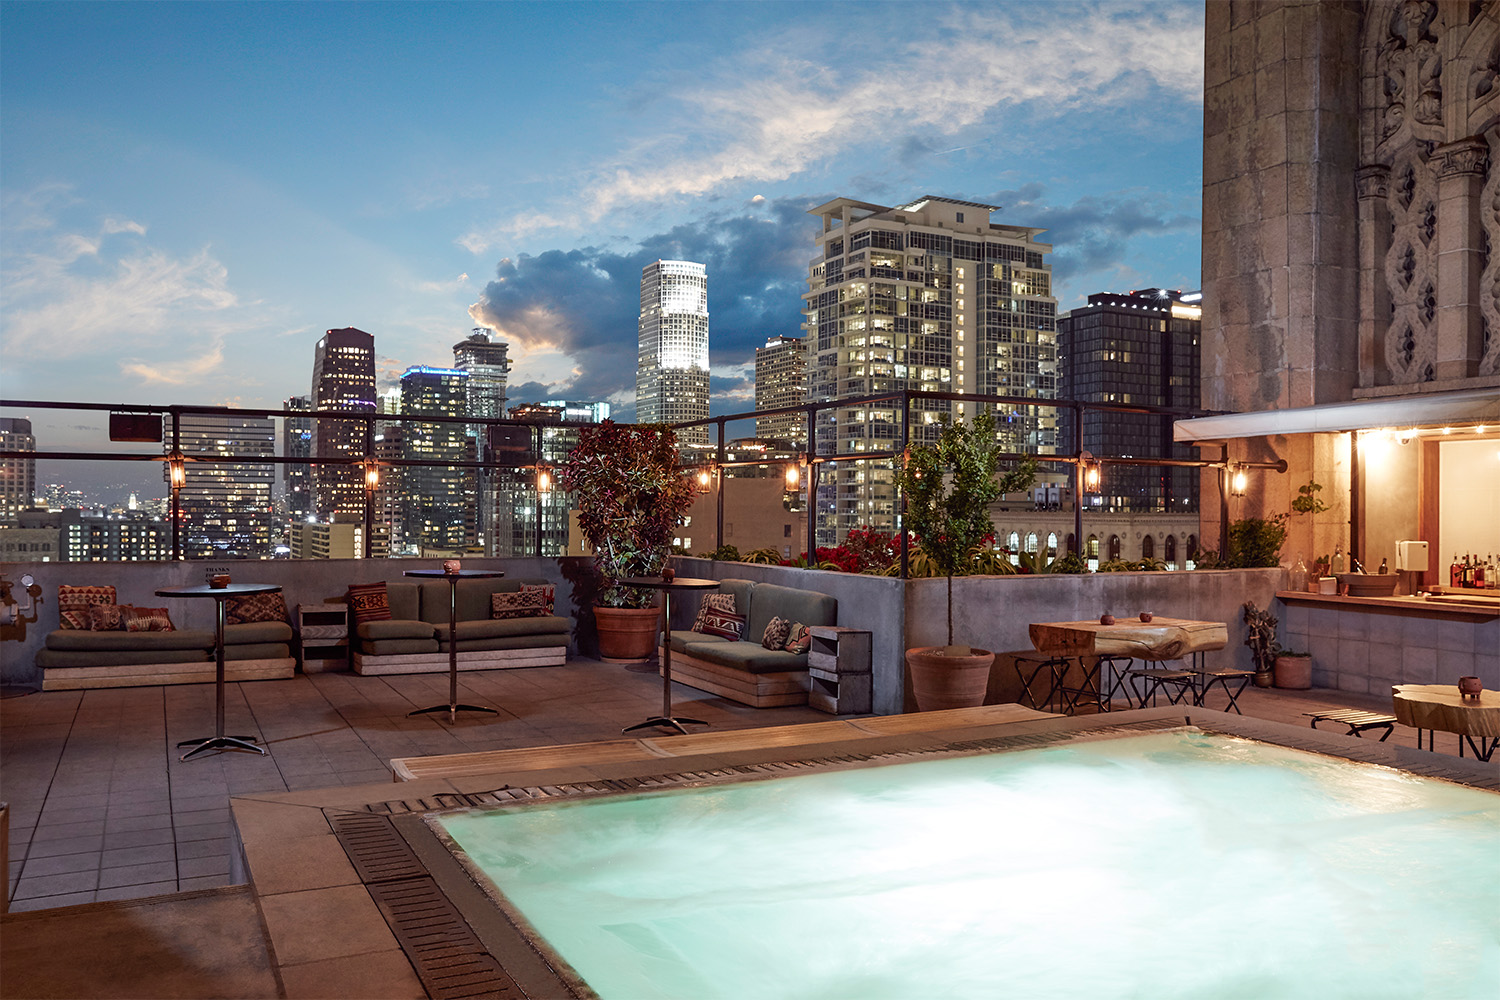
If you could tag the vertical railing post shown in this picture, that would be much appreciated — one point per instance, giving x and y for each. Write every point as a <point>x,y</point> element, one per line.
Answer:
<point>369,423</point>
<point>812,483</point>
<point>176,488</point>
<point>900,493</point>
<point>719,500</point>
<point>1224,504</point>
<point>1078,479</point>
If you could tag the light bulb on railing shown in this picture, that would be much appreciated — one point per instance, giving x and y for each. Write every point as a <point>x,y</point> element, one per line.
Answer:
<point>1238,482</point>
<point>793,476</point>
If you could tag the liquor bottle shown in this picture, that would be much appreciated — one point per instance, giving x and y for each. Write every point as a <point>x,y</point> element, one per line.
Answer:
<point>1455,572</point>
<point>1338,559</point>
<point>1299,574</point>
<point>1479,573</point>
<point>1383,569</point>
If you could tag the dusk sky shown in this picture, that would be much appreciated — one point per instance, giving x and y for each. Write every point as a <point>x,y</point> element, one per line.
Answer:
<point>192,193</point>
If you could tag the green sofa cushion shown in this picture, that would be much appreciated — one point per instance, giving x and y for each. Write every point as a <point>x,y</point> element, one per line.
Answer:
<point>258,651</point>
<point>491,628</point>
<point>257,632</point>
<point>405,599</point>
<point>391,647</point>
<point>396,628</point>
<point>471,598</point>
<point>48,658</point>
<point>681,637</point>
<point>806,606</point>
<point>83,640</point>
<point>750,657</point>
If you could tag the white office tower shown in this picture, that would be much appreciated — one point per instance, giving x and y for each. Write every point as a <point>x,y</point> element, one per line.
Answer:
<point>781,380</point>
<point>671,379</point>
<point>930,296</point>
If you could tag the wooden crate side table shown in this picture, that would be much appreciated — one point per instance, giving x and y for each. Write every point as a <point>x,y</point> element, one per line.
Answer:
<point>838,668</point>
<point>323,637</point>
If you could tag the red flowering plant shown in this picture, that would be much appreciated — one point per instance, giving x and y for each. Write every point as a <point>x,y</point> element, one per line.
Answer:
<point>949,486</point>
<point>631,497</point>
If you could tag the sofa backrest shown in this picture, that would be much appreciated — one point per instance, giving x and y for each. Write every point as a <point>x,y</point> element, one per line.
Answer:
<point>405,597</point>
<point>768,600</point>
<point>741,591</point>
<point>471,598</point>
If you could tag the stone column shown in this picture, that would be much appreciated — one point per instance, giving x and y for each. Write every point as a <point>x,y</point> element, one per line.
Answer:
<point>1461,168</point>
<point>1372,183</point>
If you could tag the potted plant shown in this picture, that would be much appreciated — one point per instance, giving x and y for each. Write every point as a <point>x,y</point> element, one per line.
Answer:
<point>1261,638</point>
<point>948,488</point>
<point>631,497</point>
<point>1274,664</point>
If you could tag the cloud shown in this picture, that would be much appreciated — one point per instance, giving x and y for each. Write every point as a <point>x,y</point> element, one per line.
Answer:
<point>995,68</point>
<point>185,371</point>
<point>452,285</point>
<point>584,303</point>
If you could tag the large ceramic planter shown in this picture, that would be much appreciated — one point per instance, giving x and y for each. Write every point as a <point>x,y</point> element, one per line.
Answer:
<point>940,680</point>
<point>627,635</point>
<point>1294,672</point>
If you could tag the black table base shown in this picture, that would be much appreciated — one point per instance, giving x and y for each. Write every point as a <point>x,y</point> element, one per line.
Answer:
<point>245,743</point>
<point>665,722</point>
<point>452,707</point>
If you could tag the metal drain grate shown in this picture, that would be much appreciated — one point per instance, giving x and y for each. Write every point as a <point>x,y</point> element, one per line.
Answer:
<point>378,852</point>
<point>448,957</point>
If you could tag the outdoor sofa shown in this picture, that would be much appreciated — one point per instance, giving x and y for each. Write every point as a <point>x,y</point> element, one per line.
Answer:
<point>743,669</point>
<point>413,637</point>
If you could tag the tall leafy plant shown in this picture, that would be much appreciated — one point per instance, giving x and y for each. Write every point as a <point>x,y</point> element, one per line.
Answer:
<point>631,497</point>
<point>949,487</point>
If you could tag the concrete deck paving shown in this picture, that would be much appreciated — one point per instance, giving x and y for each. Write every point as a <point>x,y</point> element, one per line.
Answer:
<point>102,810</point>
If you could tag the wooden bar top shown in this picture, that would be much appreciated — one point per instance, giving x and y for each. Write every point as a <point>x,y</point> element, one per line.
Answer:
<point>1159,639</point>
<point>1445,606</point>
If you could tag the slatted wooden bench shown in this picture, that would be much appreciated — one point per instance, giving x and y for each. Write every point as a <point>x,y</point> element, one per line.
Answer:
<point>1356,719</point>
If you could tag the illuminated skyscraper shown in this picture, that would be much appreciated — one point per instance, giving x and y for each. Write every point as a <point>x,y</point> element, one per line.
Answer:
<point>226,506</point>
<point>671,379</point>
<point>17,475</point>
<point>343,379</point>
<point>781,380</point>
<point>434,506</point>
<point>932,296</point>
<point>296,442</point>
<point>488,368</point>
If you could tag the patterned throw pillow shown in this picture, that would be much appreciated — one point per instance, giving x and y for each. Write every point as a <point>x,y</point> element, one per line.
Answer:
<point>798,639</point>
<point>723,623</point>
<point>148,620</point>
<point>713,602</point>
<point>774,637</point>
<point>73,604</point>
<point>256,608</point>
<point>518,604</point>
<point>108,617</point>
<point>547,590</point>
<point>370,602</point>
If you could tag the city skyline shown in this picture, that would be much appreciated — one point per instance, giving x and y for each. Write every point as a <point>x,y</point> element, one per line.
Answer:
<point>192,193</point>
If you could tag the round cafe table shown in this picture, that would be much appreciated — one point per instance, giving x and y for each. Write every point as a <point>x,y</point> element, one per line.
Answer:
<point>453,707</point>
<point>218,741</point>
<point>1440,706</point>
<point>678,585</point>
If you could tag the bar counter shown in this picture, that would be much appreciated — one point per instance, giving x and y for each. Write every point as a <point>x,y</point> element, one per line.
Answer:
<point>1367,644</point>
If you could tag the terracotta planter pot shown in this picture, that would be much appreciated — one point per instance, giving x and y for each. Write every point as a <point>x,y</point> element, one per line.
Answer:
<point>627,635</point>
<point>940,680</point>
<point>1294,672</point>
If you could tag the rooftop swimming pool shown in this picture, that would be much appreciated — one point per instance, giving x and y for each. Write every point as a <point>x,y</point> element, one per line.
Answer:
<point>1168,864</point>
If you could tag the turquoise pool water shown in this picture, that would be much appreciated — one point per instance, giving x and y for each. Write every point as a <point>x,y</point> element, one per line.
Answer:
<point>1177,864</point>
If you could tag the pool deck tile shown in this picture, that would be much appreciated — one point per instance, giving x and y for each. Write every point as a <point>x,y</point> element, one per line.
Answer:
<point>385,975</point>
<point>317,862</point>
<point>311,925</point>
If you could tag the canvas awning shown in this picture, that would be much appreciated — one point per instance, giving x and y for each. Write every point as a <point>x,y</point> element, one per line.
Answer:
<point>1440,409</point>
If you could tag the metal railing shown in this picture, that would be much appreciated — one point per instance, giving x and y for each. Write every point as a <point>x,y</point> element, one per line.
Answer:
<point>1081,463</point>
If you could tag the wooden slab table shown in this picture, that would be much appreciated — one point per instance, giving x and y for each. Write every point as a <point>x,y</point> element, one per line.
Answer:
<point>1440,706</point>
<point>1159,639</point>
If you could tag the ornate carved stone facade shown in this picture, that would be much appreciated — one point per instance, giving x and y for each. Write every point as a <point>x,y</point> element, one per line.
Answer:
<point>1430,120</point>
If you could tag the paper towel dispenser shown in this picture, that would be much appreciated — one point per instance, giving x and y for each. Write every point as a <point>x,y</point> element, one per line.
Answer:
<point>1411,556</point>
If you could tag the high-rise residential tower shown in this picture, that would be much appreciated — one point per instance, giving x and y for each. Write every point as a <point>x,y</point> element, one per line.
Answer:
<point>296,443</point>
<point>781,380</point>
<point>671,379</point>
<point>435,511</point>
<point>226,505</point>
<point>343,379</point>
<point>933,296</point>
<point>1135,347</point>
<point>17,475</point>
<point>484,358</point>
